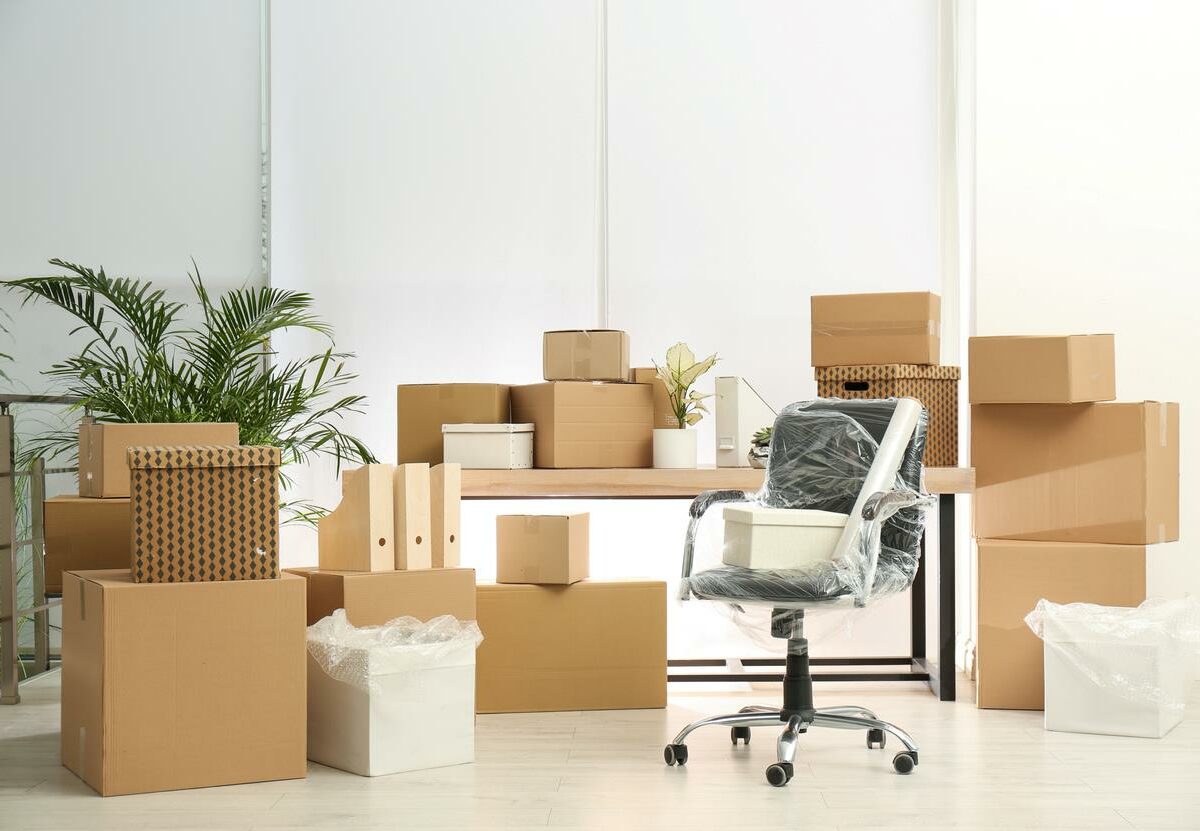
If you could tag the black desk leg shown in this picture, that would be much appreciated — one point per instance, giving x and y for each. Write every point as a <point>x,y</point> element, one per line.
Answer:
<point>917,597</point>
<point>947,671</point>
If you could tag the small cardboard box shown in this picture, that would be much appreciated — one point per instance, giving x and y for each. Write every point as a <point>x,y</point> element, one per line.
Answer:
<point>374,598</point>
<point>890,328</point>
<point>83,535</point>
<point>359,534</point>
<point>936,387</point>
<point>585,355</point>
<point>589,646</point>
<point>1013,576</point>
<point>1068,369</point>
<point>1077,472</point>
<point>204,513</point>
<point>184,685</point>
<point>551,550</point>
<point>578,424</point>
<point>422,409</point>
<point>664,416</point>
<point>103,471</point>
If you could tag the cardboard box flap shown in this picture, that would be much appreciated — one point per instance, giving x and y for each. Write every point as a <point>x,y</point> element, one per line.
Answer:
<point>212,456</point>
<point>885,372</point>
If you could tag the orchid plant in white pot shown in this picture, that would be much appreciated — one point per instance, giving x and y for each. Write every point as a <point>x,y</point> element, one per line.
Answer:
<point>676,448</point>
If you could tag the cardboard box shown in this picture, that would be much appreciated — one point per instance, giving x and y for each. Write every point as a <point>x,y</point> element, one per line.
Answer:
<point>413,712</point>
<point>1013,577</point>
<point>103,469</point>
<point>412,507</point>
<point>1077,472</point>
<point>204,513</point>
<point>582,425</point>
<point>488,446</point>
<point>374,598</point>
<point>891,328</point>
<point>445,510</point>
<point>83,535</point>
<point>358,535</point>
<point>1067,369</point>
<point>551,550</point>
<point>936,387</point>
<point>183,685</point>
<point>664,416</point>
<point>590,646</point>
<point>585,355</point>
<point>422,409</point>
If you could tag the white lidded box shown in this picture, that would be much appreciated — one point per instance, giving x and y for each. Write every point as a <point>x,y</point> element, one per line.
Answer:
<point>1126,683</point>
<point>386,706</point>
<point>488,446</point>
<point>780,538</point>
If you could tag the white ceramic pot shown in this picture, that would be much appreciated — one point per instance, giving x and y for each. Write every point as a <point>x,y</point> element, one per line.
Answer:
<point>674,448</point>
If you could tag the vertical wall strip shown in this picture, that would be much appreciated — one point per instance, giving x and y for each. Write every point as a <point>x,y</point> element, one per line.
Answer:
<point>264,137</point>
<point>602,308</point>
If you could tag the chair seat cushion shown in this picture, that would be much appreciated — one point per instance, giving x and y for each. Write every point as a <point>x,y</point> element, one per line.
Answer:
<point>772,588</point>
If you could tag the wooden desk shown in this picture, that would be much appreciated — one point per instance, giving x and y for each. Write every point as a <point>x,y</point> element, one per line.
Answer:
<point>649,483</point>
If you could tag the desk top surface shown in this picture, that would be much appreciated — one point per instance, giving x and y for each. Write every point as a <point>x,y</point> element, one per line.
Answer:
<point>643,483</point>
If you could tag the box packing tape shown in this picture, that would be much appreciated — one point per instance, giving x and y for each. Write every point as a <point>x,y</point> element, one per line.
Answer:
<point>891,328</point>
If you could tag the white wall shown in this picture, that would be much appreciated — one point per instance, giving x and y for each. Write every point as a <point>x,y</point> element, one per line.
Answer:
<point>130,140</point>
<point>1088,188</point>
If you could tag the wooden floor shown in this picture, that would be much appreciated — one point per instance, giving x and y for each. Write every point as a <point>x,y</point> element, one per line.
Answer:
<point>979,770</point>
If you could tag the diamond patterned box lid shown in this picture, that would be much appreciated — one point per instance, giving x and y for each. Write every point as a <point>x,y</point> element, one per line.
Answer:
<point>883,372</point>
<point>210,456</point>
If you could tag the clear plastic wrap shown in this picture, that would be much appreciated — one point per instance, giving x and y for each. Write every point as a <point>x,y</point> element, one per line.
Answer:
<point>820,455</point>
<point>358,655</point>
<point>1132,652</point>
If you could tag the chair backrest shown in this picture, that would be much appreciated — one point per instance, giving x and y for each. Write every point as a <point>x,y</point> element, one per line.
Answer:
<point>821,452</point>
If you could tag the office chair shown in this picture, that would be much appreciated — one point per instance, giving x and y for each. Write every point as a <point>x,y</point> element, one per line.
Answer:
<point>861,458</point>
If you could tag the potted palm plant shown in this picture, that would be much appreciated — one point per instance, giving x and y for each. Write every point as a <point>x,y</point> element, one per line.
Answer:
<point>676,447</point>
<point>151,359</point>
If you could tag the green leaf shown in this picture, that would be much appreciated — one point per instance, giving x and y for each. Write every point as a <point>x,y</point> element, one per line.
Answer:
<point>679,358</point>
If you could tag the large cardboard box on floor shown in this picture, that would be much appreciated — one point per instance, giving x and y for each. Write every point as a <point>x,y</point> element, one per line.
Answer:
<point>374,598</point>
<point>422,409</point>
<point>585,355</point>
<point>936,387</point>
<point>1077,472</point>
<point>578,424</point>
<point>1066,369</point>
<point>103,471</point>
<point>1013,576</point>
<point>84,534</point>
<point>545,550</point>
<point>204,513</point>
<point>589,646</point>
<point>889,328</point>
<point>182,685</point>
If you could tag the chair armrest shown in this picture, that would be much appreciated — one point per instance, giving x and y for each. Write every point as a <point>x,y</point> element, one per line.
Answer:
<point>883,502</point>
<point>699,507</point>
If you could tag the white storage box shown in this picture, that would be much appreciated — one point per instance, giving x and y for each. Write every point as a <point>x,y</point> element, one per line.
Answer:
<point>382,701</point>
<point>488,446</point>
<point>780,538</point>
<point>1115,671</point>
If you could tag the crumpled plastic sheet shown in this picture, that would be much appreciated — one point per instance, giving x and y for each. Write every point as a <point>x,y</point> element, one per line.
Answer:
<point>356,654</point>
<point>1122,649</point>
<point>819,458</point>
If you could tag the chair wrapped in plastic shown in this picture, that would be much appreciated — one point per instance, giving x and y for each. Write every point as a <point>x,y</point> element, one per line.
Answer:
<point>821,458</point>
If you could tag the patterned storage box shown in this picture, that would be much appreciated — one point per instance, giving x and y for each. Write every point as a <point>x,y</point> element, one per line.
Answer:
<point>204,513</point>
<point>936,387</point>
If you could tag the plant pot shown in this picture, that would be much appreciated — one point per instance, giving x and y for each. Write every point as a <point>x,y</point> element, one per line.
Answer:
<point>674,448</point>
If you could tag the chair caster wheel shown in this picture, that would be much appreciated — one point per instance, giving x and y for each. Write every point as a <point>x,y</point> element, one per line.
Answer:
<point>675,754</point>
<point>904,762</point>
<point>742,733</point>
<point>779,774</point>
<point>876,738</point>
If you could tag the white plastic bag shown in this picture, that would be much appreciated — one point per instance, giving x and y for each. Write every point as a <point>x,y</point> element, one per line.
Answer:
<point>358,654</point>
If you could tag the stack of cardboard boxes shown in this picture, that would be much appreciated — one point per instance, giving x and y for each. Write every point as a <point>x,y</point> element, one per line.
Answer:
<point>888,346</point>
<point>1070,491</point>
<point>155,692</point>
